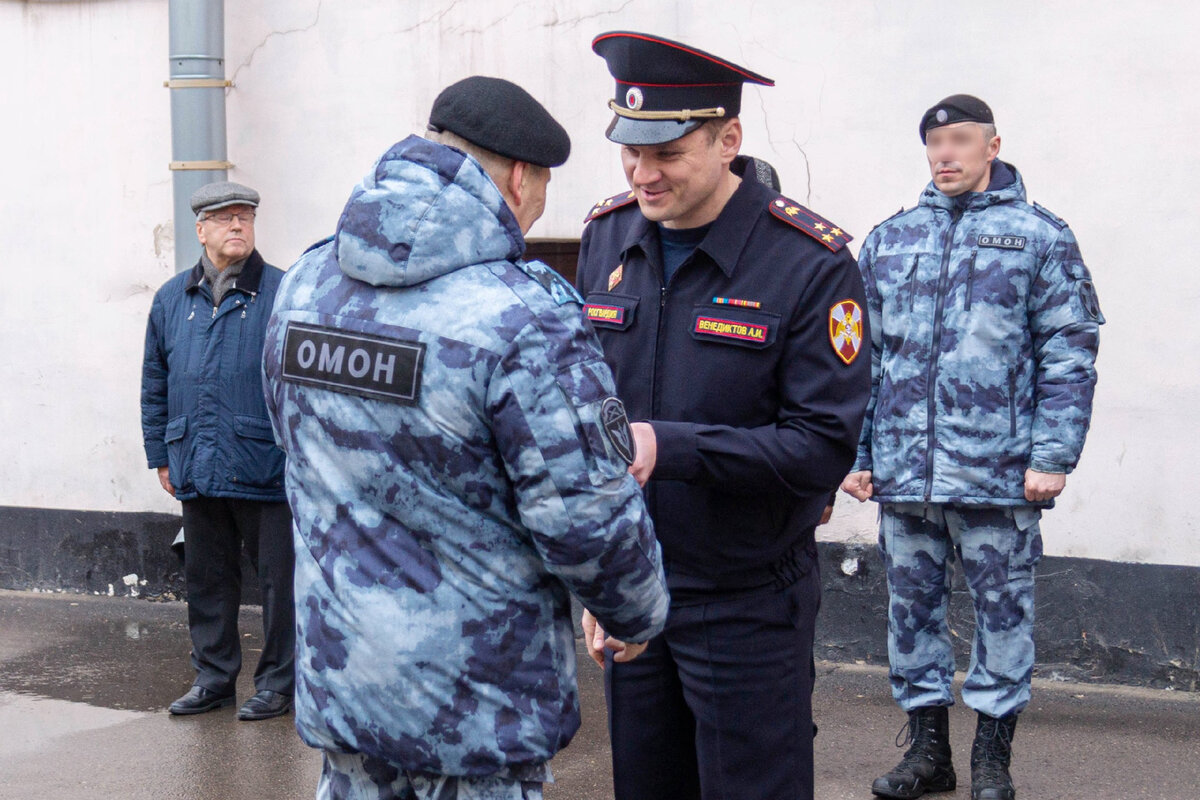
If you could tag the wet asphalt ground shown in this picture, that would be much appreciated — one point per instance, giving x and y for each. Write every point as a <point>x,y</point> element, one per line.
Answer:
<point>84,683</point>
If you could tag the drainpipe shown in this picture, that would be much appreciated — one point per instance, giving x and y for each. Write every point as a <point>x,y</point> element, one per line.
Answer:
<point>197,86</point>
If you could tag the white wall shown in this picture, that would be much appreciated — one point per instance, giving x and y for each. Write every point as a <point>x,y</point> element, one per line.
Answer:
<point>1095,103</point>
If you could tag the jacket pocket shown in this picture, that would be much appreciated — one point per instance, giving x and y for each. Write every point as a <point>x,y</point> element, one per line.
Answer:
<point>970,279</point>
<point>1012,403</point>
<point>911,290</point>
<point>255,460</point>
<point>599,420</point>
<point>178,458</point>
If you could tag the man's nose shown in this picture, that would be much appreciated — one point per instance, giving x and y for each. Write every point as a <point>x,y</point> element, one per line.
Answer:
<point>645,171</point>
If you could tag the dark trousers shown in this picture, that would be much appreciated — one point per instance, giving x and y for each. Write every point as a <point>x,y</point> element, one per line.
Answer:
<point>719,706</point>
<point>215,530</point>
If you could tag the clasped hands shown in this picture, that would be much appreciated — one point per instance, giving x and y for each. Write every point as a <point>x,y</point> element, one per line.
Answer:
<point>597,642</point>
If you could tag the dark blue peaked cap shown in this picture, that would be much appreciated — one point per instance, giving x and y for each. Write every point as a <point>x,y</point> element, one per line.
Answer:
<point>666,89</point>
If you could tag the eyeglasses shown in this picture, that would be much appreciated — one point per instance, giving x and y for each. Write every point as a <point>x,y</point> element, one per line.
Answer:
<point>225,217</point>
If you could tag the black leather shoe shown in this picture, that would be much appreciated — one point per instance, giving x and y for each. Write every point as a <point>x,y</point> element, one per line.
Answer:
<point>264,705</point>
<point>198,700</point>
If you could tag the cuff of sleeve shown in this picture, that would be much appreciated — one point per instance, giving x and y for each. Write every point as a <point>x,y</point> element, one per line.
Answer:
<point>1038,465</point>
<point>861,462</point>
<point>677,458</point>
<point>156,458</point>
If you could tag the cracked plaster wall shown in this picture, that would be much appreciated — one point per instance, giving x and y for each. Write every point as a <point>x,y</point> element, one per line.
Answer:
<point>1083,98</point>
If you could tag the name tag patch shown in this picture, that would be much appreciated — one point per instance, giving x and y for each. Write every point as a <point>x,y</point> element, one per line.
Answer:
<point>731,329</point>
<point>614,315</point>
<point>1003,241</point>
<point>353,363</point>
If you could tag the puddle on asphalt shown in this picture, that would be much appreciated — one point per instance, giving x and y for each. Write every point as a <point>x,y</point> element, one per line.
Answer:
<point>41,720</point>
<point>121,655</point>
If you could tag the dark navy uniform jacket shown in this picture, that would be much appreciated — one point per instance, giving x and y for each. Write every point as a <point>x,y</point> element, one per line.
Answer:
<point>736,364</point>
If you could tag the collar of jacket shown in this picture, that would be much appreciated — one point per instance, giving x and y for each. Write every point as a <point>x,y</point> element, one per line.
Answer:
<point>423,211</point>
<point>726,238</point>
<point>247,282</point>
<point>993,195</point>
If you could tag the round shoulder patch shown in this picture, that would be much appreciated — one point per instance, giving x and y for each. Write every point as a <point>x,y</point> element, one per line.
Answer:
<point>616,428</point>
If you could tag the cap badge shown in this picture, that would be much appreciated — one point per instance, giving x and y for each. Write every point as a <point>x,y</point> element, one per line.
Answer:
<point>634,98</point>
<point>942,116</point>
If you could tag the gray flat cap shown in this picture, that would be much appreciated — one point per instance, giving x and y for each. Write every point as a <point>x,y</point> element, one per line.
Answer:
<point>212,196</point>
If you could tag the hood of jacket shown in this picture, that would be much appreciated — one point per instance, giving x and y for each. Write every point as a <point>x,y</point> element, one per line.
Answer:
<point>424,210</point>
<point>1005,186</point>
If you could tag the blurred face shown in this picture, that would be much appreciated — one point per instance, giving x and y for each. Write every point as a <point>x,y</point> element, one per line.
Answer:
<point>684,183</point>
<point>227,234</point>
<point>960,157</point>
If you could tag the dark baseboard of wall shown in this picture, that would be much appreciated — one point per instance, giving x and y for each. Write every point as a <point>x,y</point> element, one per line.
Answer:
<point>87,551</point>
<point>1097,621</point>
<point>1101,621</point>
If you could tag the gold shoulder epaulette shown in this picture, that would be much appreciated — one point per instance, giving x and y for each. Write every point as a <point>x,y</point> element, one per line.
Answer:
<point>610,204</point>
<point>814,225</point>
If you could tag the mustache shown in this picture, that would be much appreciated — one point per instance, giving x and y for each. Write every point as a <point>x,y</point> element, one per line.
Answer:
<point>955,165</point>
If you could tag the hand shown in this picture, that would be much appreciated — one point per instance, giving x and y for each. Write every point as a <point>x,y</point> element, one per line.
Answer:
<point>597,642</point>
<point>647,452</point>
<point>858,485</point>
<point>826,515</point>
<point>1041,486</point>
<point>164,477</point>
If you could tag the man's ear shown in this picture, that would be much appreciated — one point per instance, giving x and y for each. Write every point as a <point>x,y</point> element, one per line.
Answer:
<point>516,182</point>
<point>730,140</point>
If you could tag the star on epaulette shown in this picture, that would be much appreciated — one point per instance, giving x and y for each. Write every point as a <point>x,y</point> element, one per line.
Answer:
<point>610,204</point>
<point>815,226</point>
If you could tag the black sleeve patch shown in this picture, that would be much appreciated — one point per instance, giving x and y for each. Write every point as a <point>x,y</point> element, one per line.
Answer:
<point>1089,301</point>
<point>616,428</point>
<point>353,363</point>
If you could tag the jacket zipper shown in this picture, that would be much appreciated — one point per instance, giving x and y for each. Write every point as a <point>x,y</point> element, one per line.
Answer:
<point>662,305</point>
<point>935,345</point>
<point>970,278</point>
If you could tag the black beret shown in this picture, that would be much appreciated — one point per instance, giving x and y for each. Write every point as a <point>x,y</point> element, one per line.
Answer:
<point>956,108</point>
<point>667,89</point>
<point>500,116</point>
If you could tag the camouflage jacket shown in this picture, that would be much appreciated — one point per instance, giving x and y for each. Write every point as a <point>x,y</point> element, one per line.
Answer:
<point>454,470</point>
<point>985,327</point>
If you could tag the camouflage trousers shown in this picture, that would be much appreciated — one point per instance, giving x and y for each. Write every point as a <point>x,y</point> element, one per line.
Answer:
<point>997,549</point>
<point>352,776</point>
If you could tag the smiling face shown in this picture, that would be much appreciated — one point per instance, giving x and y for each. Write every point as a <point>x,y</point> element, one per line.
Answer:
<point>227,242</point>
<point>960,157</point>
<point>684,183</point>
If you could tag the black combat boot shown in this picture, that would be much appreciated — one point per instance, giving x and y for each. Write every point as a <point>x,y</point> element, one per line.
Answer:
<point>990,756</point>
<point>926,766</point>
